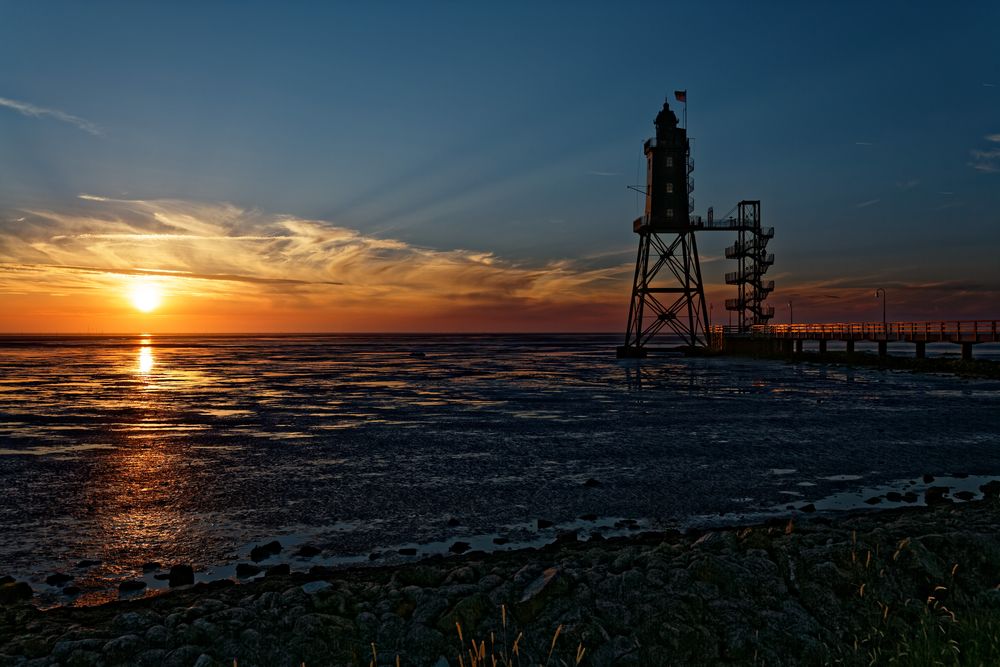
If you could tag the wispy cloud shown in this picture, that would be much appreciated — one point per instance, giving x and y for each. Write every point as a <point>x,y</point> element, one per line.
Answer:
<point>988,160</point>
<point>279,263</point>
<point>26,109</point>
<point>990,85</point>
<point>907,185</point>
<point>863,143</point>
<point>870,202</point>
<point>603,173</point>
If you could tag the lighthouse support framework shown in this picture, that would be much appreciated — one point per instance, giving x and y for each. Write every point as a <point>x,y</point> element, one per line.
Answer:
<point>667,292</point>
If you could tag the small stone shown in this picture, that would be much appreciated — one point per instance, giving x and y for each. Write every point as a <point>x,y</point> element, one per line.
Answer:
<point>308,551</point>
<point>894,497</point>
<point>7,579</point>
<point>181,575</point>
<point>500,540</point>
<point>204,660</point>
<point>961,475</point>
<point>566,537</point>
<point>263,551</point>
<point>452,522</point>
<point>928,478</point>
<point>375,555</point>
<point>278,570</point>
<point>808,508</point>
<point>407,551</point>
<point>131,586</point>
<point>19,590</point>
<point>991,489</point>
<point>157,635</point>
<point>874,500</point>
<point>588,517</point>
<point>543,523</point>
<point>549,583</point>
<point>246,570</point>
<point>87,562</point>
<point>591,483</point>
<point>71,591</point>
<point>121,648</point>
<point>964,495</point>
<point>459,547</point>
<point>937,495</point>
<point>315,586</point>
<point>58,579</point>
<point>151,566</point>
<point>161,576</point>
<point>910,497</point>
<point>321,571</point>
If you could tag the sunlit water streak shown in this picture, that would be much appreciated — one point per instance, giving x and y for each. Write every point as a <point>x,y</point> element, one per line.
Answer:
<point>175,449</point>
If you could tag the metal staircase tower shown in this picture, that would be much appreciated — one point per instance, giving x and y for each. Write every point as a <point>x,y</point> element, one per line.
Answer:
<point>750,251</point>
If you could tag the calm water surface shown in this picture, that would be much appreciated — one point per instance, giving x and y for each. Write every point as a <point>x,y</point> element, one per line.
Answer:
<point>183,449</point>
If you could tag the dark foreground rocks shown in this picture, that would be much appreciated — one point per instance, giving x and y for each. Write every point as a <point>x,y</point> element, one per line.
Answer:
<point>918,586</point>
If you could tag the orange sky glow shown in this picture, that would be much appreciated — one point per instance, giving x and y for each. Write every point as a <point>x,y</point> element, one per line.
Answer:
<point>223,269</point>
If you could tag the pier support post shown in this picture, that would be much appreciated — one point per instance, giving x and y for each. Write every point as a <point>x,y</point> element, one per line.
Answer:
<point>787,346</point>
<point>883,348</point>
<point>822,346</point>
<point>850,347</point>
<point>798,346</point>
<point>966,351</point>
<point>921,349</point>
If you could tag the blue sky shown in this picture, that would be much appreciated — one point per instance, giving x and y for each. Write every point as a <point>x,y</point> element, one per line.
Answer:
<point>870,131</point>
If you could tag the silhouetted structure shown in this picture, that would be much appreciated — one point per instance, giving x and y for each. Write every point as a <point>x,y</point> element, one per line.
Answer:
<point>667,289</point>
<point>677,300</point>
<point>750,250</point>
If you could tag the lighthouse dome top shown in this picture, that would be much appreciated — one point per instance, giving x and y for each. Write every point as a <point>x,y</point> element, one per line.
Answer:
<point>666,119</point>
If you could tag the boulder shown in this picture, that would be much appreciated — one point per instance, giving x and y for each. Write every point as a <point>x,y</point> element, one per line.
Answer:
<point>58,579</point>
<point>181,575</point>
<point>246,570</point>
<point>14,592</point>
<point>937,495</point>
<point>262,551</point>
<point>131,586</point>
<point>459,547</point>
<point>549,584</point>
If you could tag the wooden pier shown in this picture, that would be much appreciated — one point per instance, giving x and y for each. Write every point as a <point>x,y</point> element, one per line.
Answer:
<point>786,338</point>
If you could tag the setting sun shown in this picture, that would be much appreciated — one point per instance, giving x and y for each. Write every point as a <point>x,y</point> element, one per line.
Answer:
<point>146,296</point>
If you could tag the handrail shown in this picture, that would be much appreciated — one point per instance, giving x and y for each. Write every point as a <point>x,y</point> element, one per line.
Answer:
<point>886,330</point>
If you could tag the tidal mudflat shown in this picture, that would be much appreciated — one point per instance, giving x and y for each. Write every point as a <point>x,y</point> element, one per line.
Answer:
<point>122,457</point>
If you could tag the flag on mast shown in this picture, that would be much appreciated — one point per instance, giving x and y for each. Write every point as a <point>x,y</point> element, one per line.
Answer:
<point>681,96</point>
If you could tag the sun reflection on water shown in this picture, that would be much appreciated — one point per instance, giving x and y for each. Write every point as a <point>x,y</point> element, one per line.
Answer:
<point>145,360</point>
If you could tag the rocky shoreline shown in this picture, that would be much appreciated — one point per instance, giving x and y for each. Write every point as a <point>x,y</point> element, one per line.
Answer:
<point>920,583</point>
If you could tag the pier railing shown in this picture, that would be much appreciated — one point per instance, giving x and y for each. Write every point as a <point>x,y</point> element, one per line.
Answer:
<point>974,331</point>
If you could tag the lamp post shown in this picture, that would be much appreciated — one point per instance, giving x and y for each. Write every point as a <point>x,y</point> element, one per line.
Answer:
<point>791,314</point>
<point>885,331</point>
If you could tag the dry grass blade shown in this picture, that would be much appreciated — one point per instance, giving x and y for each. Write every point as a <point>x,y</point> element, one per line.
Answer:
<point>552,646</point>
